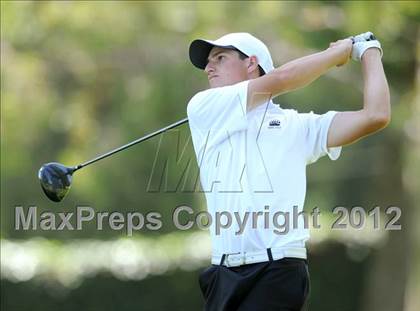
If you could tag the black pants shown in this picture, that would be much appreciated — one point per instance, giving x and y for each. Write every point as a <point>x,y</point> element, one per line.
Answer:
<point>279,285</point>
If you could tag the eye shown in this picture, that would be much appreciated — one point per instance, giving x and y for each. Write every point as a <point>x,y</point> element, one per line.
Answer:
<point>220,57</point>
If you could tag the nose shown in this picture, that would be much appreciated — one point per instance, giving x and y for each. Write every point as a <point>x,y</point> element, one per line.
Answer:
<point>209,68</point>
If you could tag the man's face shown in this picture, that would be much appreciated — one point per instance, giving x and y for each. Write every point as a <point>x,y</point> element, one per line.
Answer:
<point>224,67</point>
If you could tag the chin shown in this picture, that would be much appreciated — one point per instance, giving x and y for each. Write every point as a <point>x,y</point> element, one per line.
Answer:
<point>214,84</point>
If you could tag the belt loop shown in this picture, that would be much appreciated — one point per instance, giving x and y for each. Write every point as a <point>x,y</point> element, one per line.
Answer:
<point>222,260</point>
<point>270,255</point>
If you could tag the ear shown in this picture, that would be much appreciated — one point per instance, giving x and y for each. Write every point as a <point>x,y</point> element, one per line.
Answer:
<point>252,63</point>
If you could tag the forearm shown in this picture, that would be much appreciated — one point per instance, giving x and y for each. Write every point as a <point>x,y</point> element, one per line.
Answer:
<point>376,98</point>
<point>302,71</point>
<point>297,73</point>
<point>349,126</point>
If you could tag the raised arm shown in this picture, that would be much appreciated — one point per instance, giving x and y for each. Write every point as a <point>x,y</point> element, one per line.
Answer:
<point>348,127</point>
<point>297,73</point>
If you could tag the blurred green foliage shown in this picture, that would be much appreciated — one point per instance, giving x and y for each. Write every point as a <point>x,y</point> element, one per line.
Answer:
<point>80,78</point>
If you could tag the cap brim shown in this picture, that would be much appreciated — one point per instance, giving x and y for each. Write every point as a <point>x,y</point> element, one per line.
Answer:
<point>199,52</point>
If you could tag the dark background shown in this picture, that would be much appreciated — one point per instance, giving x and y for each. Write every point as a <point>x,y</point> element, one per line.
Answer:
<point>80,78</point>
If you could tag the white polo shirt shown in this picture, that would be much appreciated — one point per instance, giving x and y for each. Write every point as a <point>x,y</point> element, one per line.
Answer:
<point>254,162</point>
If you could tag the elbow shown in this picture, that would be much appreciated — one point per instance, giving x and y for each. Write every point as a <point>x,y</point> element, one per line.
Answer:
<point>379,121</point>
<point>380,117</point>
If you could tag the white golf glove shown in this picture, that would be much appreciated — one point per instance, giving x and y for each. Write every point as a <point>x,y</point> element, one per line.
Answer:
<point>366,36</point>
<point>363,42</point>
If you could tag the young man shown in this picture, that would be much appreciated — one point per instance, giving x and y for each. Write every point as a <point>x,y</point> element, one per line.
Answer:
<point>253,156</point>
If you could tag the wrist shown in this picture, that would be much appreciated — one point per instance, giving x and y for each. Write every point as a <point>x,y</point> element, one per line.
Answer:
<point>371,55</point>
<point>366,48</point>
<point>334,57</point>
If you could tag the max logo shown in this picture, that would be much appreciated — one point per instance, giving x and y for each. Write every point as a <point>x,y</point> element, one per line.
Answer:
<point>274,123</point>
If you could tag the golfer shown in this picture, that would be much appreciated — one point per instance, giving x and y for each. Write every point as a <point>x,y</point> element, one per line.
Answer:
<point>253,155</point>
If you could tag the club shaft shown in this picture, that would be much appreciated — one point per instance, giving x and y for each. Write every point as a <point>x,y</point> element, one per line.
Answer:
<point>135,142</point>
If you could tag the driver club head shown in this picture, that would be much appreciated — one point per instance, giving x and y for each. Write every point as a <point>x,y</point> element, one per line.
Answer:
<point>55,179</point>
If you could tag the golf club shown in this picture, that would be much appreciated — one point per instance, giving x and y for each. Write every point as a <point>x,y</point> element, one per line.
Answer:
<point>56,178</point>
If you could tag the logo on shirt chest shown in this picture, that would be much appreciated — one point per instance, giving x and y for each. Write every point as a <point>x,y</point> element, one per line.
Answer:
<point>275,123</point>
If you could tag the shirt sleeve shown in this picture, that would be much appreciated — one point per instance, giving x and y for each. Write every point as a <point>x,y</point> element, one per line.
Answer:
<point>315,128</point>
<point>220,109</point>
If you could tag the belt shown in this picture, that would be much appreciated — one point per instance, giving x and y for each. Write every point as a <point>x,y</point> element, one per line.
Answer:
<point>269,254</point>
